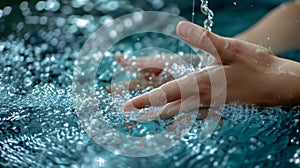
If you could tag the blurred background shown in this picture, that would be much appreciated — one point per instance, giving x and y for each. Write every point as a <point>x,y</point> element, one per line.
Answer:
<point>229,14</point>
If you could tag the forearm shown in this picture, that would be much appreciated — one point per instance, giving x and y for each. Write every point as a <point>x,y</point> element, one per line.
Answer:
<point>279,30</point>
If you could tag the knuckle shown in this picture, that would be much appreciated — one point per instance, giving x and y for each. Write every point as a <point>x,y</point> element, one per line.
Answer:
<point>234,48</point>
<point>158,97</point>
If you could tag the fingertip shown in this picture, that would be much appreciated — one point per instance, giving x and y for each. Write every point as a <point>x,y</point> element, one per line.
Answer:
<point>185,29</point>
<point>128,106</point>
<point>203,39</point>
<point>180,29</point>
<point>178,26</point>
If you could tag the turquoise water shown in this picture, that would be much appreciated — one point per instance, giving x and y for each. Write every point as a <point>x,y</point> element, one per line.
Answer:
<point>38,125</point>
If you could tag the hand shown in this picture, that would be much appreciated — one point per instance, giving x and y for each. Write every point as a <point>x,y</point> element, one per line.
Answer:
<point>253,75</point>
<point>151,71</point>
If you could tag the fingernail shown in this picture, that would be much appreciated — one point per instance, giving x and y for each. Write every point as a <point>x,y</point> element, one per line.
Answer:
<point>128,106</point>
<point>184,29</point>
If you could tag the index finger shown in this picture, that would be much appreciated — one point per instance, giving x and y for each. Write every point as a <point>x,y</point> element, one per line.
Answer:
<point>221,48</point>
<point>180,88</point>
<point>162,95</point>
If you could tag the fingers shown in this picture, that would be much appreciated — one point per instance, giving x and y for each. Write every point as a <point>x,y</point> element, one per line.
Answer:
<point>194,89</point>
<point>143,81</point>
<point>217,46</point>
<point>181,88</point>
<point>145,64</point>
<point>177,126</point>
<point>156,97</point>
<point>186,106</point>
<point>170,110</point>
<point>199,37</point>
<point>150,115</point>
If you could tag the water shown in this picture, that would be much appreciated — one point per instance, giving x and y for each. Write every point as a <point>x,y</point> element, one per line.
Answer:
<point>40,128</point>
<point>38,125</point>
<point>208,22</point>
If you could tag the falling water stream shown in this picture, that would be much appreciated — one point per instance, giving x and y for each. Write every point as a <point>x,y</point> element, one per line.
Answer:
<point>208,22</point>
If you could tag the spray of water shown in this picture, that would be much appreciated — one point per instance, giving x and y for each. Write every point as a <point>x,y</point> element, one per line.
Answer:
<point>208,22</point>
<point>38,126</point>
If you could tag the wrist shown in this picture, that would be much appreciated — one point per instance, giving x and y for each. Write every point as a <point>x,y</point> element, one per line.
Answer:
<point>291,70</point>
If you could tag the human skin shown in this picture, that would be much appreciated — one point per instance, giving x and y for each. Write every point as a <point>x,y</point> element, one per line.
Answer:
<point>253,73</point>
<point>278,30</point>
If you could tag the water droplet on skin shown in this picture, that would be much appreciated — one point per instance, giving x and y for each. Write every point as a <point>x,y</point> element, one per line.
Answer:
<point>113,34</point>
<point>128,23</point>
<point>226,45</point>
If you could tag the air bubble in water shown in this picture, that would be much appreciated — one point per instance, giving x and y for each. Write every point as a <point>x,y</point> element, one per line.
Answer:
<point>7,10</point>
<point>38,126</point>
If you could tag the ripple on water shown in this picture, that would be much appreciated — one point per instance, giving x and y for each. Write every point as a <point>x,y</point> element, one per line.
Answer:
<point>37,122</point>
<point>41,128</point>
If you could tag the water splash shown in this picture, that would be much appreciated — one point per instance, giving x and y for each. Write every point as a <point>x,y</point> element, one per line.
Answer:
<point>38,126</point>
<point>208,22</point>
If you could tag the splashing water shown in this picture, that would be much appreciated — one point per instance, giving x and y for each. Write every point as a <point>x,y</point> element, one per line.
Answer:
<point>208,22</point>
<point>40,129</point>
<point>38,126</point>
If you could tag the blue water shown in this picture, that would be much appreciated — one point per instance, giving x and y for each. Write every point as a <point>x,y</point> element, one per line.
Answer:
<point>38,125</point>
